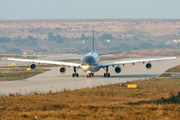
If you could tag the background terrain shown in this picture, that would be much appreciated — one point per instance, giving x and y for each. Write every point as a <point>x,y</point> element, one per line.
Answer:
<point>60,36</point>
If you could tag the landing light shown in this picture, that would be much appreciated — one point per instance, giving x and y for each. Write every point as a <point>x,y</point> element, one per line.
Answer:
<point>108,41</point>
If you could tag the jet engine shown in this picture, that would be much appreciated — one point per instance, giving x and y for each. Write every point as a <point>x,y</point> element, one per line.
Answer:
<point>148,66</point>
<point>62,70</point>
<point>117,69</point>
<point>33,66</point>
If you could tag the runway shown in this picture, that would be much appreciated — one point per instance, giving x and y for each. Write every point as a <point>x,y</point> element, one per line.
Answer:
<point>54,81</point>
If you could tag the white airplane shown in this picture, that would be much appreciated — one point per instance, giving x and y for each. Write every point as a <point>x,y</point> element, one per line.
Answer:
<point>90,63</point>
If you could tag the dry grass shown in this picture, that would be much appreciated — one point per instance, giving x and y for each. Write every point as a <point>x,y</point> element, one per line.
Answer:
<point>174,69</point>
<point>156,98</point>
<point>18,73</point>
<point>153,99</point>
<point>171,71</point>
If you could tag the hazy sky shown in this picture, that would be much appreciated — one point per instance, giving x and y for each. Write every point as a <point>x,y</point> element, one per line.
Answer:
<point>66,9</point>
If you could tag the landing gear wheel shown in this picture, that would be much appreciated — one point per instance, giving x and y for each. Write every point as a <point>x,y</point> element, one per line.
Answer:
<point>89,76</point>
<point>108,74</point>
<point>92,74</point>
<point>77,75</point>
<point>73,75</point>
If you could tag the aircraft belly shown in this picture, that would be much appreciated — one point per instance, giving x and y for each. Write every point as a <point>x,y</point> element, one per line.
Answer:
<point>92,68</point>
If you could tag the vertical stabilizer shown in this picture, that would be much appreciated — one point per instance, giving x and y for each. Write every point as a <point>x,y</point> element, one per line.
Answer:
<point>93,41</point>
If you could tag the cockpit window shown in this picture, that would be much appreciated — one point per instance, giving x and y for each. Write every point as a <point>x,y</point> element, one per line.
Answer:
<point>88,59</point>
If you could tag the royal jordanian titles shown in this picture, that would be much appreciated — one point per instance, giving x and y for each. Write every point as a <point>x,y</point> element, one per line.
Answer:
<point>90,63</point>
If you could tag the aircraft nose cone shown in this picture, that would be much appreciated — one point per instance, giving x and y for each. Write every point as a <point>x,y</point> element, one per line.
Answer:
<point>90,67</point>
<point>86,67</point>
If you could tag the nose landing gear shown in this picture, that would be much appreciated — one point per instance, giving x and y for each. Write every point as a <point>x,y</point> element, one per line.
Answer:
<point>90,75</point>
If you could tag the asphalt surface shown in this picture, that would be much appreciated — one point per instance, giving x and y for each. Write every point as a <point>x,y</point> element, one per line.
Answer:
<point>54,81</point>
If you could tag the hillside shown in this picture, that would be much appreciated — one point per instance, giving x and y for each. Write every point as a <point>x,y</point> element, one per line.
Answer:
<point>75,35</point>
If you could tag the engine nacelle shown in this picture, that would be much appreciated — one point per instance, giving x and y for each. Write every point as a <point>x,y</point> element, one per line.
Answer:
<point>33,66</point>
<point>148,66</point>
<point>62,70</point>
<point>117,69</point>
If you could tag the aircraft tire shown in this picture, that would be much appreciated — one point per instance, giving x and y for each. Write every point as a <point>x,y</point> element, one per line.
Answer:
<point>77,75</point>
<point>108,74</point>
<point>73,75</point>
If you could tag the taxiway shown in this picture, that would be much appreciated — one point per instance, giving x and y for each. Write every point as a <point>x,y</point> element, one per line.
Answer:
<point>54,81</point>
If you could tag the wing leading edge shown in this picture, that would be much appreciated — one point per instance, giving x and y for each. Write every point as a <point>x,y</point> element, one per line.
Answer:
<point>47,62</point>
<point>135,61</point>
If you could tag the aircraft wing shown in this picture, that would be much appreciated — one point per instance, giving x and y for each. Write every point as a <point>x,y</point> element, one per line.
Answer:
<point>135,61</point>
<point>47,62</point>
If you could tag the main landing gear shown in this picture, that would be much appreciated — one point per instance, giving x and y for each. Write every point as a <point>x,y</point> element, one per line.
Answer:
<point>90,75</point>
<point>75,74</point>
<point>106,74</point>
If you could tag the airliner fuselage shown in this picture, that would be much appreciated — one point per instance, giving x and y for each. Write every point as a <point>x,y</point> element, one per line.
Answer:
<point>90,62</point>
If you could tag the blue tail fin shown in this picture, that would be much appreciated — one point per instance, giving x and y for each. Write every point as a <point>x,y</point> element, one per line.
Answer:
<point>93,41</point>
